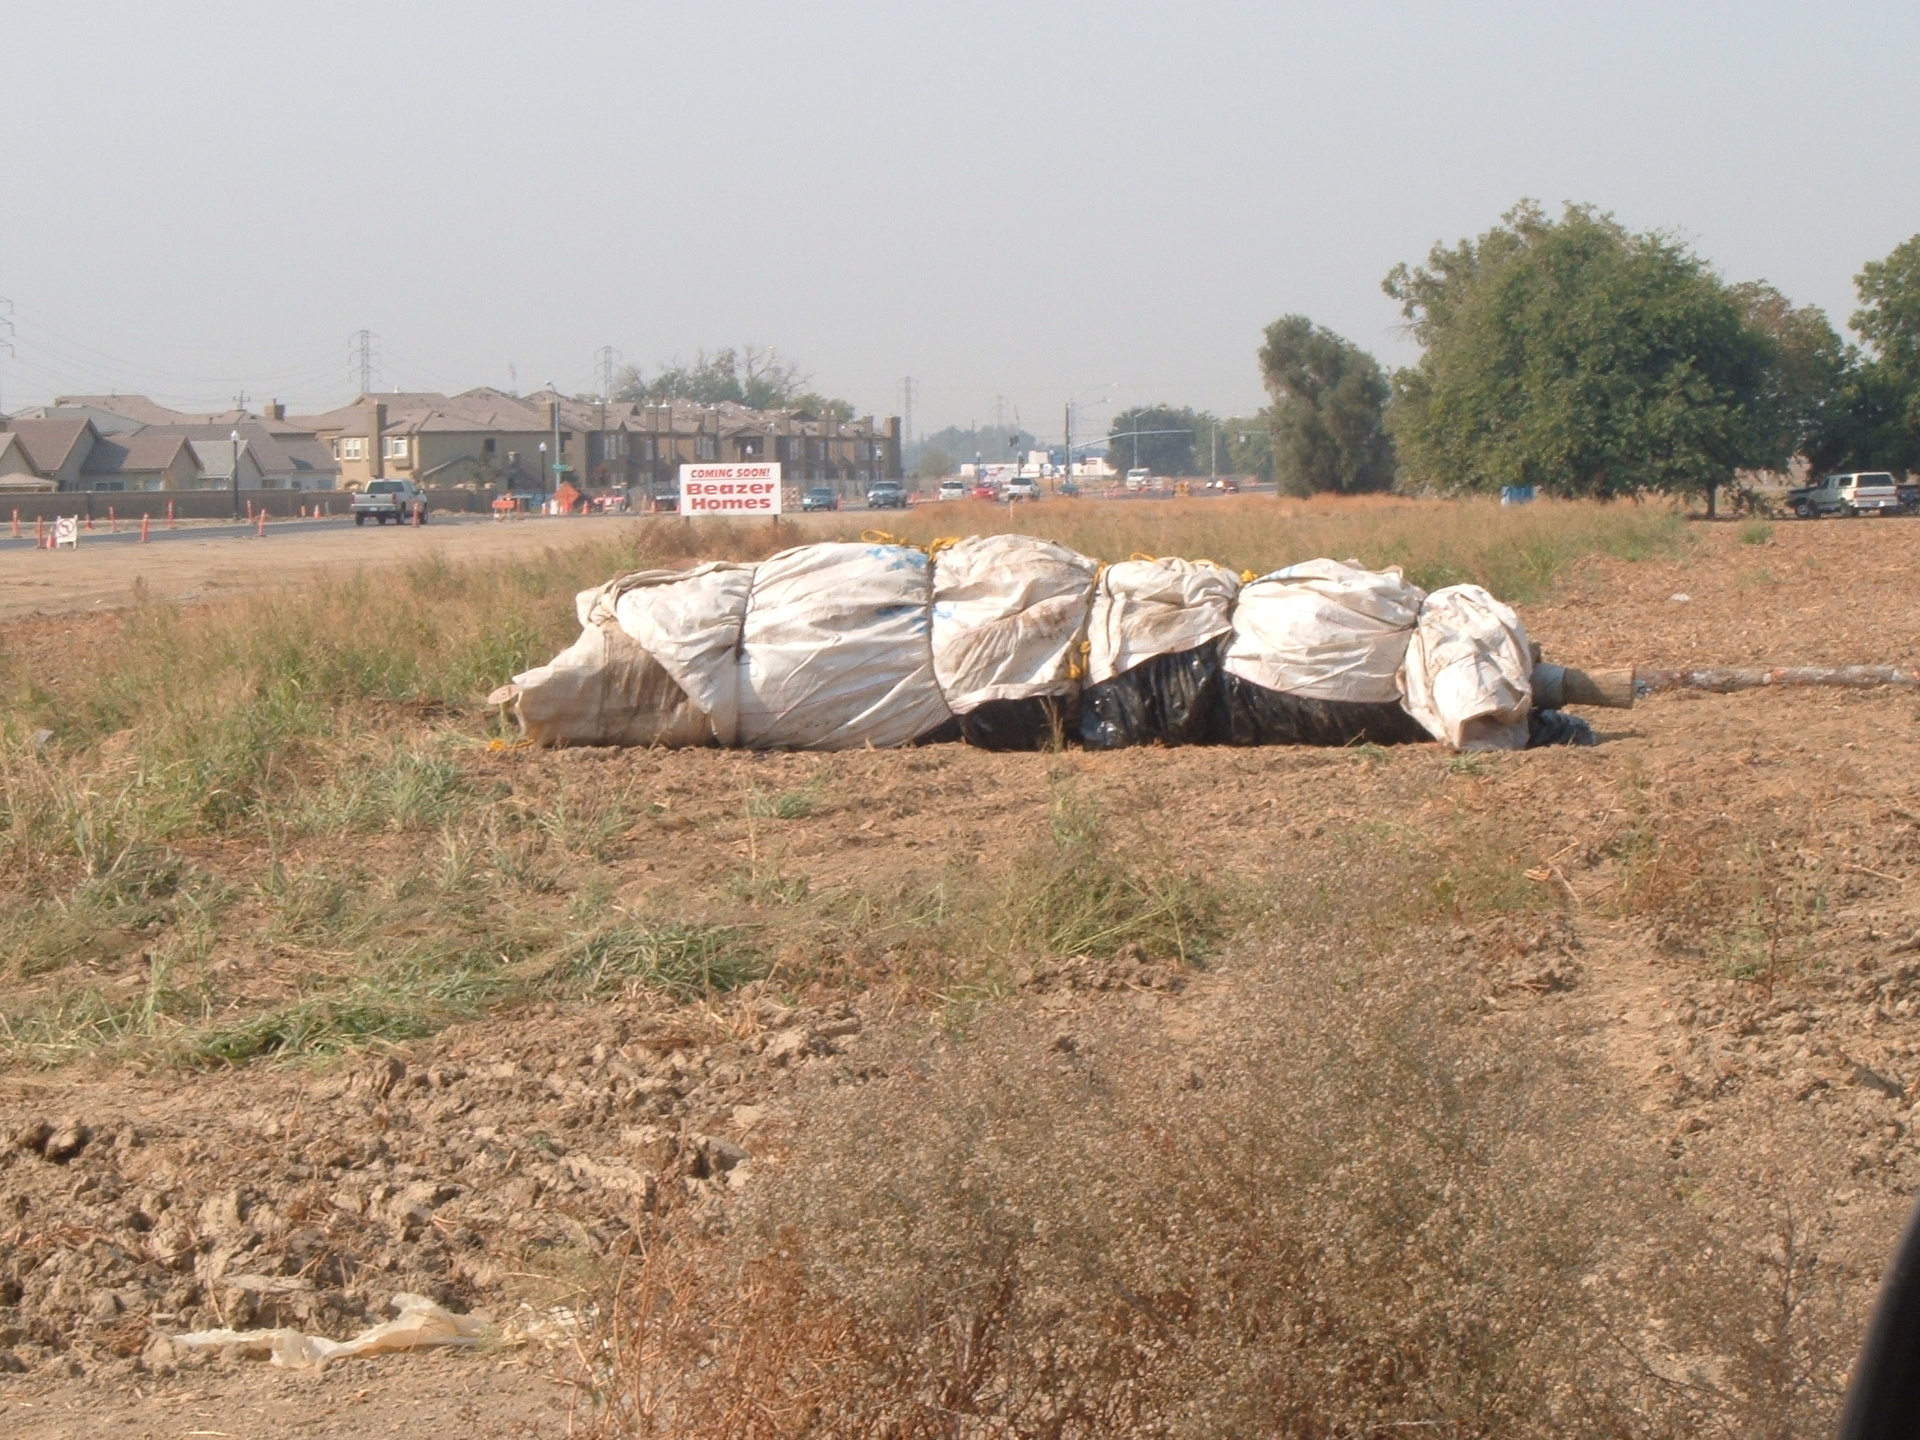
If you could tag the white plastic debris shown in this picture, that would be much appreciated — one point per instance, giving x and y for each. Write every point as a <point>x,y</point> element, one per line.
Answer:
<point>689,620</point>
<point>1325,629</point>
<point>1469,671</point>
<point>419,1324</point>
<point>1144,609</point>
<point>1008,614</point>
<point>836,650</point>
<point>604,689</point>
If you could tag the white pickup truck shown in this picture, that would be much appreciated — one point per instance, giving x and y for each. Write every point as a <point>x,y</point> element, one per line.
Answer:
<point>398,501</point>
<point>1860,492</point>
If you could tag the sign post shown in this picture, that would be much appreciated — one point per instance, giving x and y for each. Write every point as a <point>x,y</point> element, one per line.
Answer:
<point>750,489</point>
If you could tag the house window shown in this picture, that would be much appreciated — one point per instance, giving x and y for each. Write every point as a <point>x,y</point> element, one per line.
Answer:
<point>109,484</point>
<point>486,446</point>
<point>395,447</point>
<point>350,447</point>
<point>706,447</point>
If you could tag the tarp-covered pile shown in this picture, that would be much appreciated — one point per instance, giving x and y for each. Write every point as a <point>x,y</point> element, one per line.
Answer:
<point>1012,642</point>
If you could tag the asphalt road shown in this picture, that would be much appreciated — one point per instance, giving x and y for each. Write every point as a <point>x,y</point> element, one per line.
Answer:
<point>129,531</point>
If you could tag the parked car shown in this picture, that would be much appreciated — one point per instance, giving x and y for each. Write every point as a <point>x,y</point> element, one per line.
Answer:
<point>820,497</point>
<point>953,489</point>
<point>887,495</point>
<point>983,490</point>
<point>1068,488</point>
<point>1023,487</point>
<point>1854,493</point>
<point>390,500</point>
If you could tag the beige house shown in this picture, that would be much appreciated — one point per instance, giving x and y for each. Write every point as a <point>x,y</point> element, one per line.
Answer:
<point>16,470</point>
<point>140,460</point>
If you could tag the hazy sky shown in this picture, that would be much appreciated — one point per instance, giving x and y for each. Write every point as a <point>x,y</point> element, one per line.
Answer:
<point>1033,200</point>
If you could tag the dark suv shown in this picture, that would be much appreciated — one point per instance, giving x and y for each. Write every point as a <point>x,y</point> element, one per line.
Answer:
<point>887,495</point>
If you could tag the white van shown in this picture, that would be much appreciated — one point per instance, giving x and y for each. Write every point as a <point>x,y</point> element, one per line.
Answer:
<point>1137,479</point>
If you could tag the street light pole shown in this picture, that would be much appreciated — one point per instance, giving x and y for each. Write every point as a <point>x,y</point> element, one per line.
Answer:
<point>544,477</point>
<point>235,438</point>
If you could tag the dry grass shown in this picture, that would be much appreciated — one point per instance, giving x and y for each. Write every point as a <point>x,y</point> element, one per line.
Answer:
<point>1357,1206</point>
<point>148,795</point>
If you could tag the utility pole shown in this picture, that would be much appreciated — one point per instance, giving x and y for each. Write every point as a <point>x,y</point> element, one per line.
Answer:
<point>361,359</point>
<point>606,358</point>
<point>1069,432</point>
<point>6,328</point>
<point>906,387</point>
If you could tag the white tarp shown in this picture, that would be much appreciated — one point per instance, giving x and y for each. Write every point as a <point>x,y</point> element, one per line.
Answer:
<point>1325,629</point>
<point>1469,671</point>
<point>689,620</point>
<point>1144,609</point>
<point>1008,613</point>
<point>836,650</point>
<point>605,690</point>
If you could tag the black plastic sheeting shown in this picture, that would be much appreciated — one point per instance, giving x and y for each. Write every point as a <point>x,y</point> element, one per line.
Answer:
<point>1556,727</point>
<point>1041,722</point>
<point>1171,700</point>
<point>1188,699</point>
<point>1252,714</point>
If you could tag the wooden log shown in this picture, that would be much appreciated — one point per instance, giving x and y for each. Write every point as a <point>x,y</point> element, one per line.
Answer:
<point>1558,685</point>
<point>1724,680</point>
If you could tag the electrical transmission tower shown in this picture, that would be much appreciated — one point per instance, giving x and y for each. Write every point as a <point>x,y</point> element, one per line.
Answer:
<point>360,359</point>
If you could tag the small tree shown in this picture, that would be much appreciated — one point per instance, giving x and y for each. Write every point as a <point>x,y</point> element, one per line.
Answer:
<point>933,464</point>
<point>1326,420</point>
<point>1884,403</point>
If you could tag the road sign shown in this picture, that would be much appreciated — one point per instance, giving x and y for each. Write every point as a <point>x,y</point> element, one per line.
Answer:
<point>730,489</point>
<point>66,531</point>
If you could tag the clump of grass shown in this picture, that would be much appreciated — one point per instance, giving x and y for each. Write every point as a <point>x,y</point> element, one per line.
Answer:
<point>787,804</point>
<point>1756,532</point>
<point>685,961</point>
<point>1079,895</point>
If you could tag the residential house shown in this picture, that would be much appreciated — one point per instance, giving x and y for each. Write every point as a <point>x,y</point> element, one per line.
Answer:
<point>16,469</point>
<point>140,460</point>
<point>216,459</point>
<point>57,447</point>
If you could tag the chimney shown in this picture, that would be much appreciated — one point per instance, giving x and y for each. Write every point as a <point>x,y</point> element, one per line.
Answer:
<point>376,432</point>
<point>547,407</point>
<point>276,411</point>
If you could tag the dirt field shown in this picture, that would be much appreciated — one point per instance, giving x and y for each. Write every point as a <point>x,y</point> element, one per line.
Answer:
<point>1716,908</point>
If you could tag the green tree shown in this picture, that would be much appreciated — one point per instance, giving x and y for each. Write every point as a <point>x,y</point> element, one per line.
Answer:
<point>1802,407</point>
<point>1575,356</point>
<point>1327,416</point>
<point>933,465</point>
<point>1883,402</point>
<point>1165,439</point>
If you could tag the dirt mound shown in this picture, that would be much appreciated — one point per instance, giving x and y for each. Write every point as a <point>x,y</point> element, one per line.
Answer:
<point>490,1168</point>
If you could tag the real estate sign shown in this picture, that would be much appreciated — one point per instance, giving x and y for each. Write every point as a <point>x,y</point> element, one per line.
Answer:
<point>730,489</point>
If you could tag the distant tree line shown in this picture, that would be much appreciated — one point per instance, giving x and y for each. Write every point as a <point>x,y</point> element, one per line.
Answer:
<point>759,379</point>
<point>1573,355</point>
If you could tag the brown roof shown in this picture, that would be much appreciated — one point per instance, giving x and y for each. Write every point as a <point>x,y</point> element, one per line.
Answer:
<point>48,443</point>
<point>142,450</point>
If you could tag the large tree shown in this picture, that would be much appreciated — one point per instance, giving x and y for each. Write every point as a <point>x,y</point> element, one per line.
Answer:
<point>1326,420</point>
<point>1576,356</point>
<point>1166,439</point>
